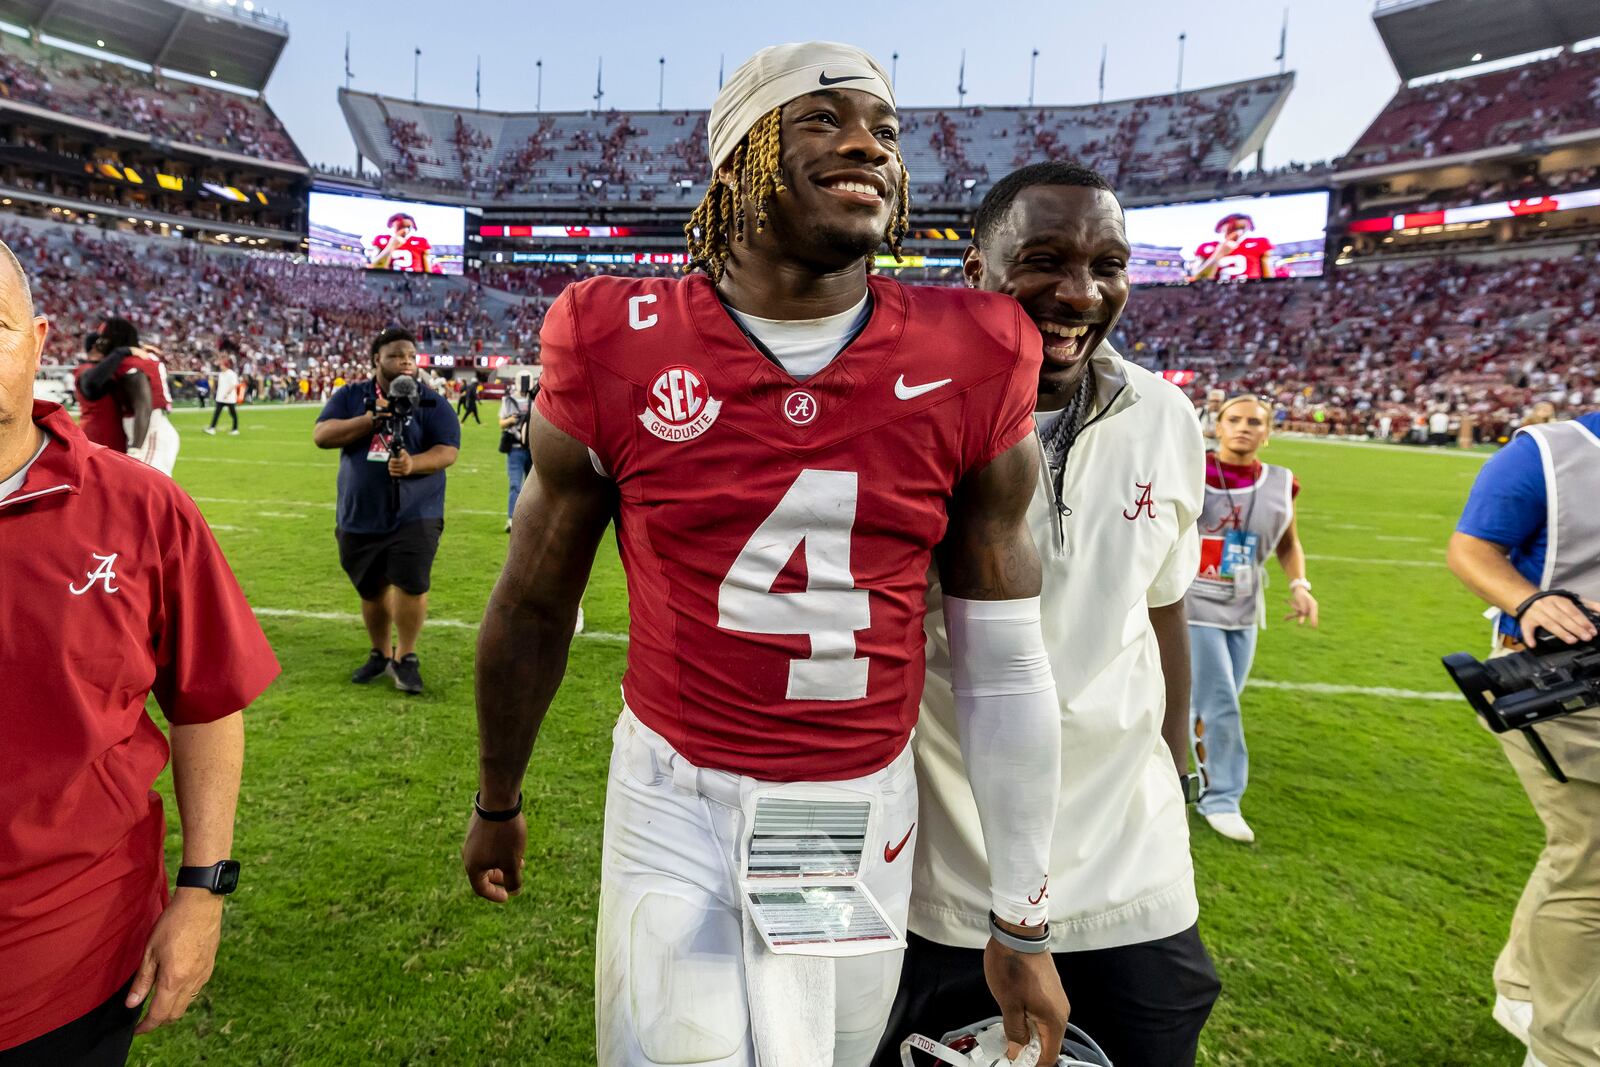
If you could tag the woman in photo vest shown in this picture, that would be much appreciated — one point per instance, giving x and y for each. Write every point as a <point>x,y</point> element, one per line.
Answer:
<point>1249,510</point>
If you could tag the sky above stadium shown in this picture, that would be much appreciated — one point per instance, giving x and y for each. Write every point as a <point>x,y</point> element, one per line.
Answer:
<point>1343,74</point>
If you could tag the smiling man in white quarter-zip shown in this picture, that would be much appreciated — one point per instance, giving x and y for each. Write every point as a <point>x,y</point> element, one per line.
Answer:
<point>1114,516</point>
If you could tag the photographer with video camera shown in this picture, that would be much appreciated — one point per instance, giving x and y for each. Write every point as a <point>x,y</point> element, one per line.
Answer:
<point>1529,543</point>
<point>396,439</point>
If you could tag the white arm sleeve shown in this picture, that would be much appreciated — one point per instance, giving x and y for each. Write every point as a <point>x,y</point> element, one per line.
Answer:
<point>1009,722</point>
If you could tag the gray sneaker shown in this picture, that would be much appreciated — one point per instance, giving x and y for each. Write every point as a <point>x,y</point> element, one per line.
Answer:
<point>407,673</point>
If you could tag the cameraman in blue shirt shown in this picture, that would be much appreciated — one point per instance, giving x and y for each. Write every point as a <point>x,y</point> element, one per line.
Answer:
<point>391,500</point>
<point>1532,526</point>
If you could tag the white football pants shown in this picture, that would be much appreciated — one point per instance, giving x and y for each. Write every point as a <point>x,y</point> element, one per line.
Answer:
<point>160,448</point>
<point>670,981</point>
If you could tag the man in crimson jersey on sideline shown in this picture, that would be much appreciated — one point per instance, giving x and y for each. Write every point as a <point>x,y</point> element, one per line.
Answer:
<point>786,443</point>
<point>403,248</point>
<point>102,403</point>
<point>151,437</point>
<point>1235,255</point>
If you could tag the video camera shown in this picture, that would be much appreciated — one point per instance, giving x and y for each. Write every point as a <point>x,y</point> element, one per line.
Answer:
<point>1548,681</point>
<point>405,397</point>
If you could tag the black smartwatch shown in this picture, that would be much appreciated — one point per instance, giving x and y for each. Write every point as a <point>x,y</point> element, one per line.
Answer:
<point>219,878</point>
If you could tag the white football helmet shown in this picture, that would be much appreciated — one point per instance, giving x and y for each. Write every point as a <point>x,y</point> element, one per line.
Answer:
<point>983,1044</point>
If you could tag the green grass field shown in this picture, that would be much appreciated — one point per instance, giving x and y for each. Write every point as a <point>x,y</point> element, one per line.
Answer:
<point>1360,929</point>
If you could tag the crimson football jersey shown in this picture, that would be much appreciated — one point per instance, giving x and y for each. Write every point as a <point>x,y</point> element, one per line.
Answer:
<point>1246,261</point>
<point>156,371</point>
<point>777,534</point>
<point>409,256</point>
<point>100,420</point>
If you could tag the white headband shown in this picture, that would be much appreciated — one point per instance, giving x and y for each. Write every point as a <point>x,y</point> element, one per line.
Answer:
<point>776,75</point>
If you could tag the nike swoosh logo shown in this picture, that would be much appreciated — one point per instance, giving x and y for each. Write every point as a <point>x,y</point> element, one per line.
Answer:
<point>889,854</point>
<point>902,391</point>
<point>823,79</point>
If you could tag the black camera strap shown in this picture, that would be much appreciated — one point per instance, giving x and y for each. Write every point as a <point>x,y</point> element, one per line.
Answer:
<point>1523,607</point>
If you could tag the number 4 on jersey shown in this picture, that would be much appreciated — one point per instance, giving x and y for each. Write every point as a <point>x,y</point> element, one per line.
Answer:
<point>820,510</point>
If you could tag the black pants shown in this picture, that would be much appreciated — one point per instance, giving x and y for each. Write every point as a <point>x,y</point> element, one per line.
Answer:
<point>1143,1004</point>
<point>216,413</point>
<point>100,1038</point>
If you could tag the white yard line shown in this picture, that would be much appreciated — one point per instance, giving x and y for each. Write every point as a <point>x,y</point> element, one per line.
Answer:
<point>610,638</point>
<point>325,504</point>
<point>1378,562</point>
<point>1411,450</point>
<point>1353,690</point>
<point>451,624</point>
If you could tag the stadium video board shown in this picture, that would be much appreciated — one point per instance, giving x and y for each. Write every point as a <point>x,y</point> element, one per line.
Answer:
<point>381,234</point>
<point>1246,238</point>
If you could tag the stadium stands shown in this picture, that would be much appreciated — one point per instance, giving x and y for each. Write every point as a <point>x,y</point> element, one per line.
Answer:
<point>286,317</point>
<point>647,156</point>
<point>1478,339</point>
<point>77,86</point>
<point>1485,339</point>
<point>1526,103</point>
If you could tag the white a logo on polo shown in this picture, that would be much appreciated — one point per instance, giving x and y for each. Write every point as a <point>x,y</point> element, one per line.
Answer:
<point>679,405</point>
<point>800,407</point>
<point>636,320</point>
<point>102,572</point>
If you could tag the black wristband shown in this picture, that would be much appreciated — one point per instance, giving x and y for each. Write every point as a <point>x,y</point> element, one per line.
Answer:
<point>1540,595</point>
<point>496,816</point>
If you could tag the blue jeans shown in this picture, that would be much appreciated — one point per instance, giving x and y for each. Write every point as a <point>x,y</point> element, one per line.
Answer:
<point>1219,663</point>
<point>519,461</point>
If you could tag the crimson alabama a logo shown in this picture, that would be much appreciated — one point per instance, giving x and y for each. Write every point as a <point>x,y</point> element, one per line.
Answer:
<point>679,405</point>
<point>1145,505</point>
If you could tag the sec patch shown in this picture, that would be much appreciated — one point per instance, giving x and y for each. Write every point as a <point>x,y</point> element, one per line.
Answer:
<point>679,405</point>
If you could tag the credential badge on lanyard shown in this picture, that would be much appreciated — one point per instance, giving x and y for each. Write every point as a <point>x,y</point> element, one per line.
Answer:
<point>1240,550</point>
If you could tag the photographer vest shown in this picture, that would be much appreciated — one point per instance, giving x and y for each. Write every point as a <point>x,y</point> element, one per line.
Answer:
<point>1571,455</point>
<point>1239,529</point>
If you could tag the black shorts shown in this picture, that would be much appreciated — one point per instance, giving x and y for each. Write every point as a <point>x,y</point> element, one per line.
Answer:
<point>403,557</point>
<point>1143,1004</point>
<point>99,1038</point>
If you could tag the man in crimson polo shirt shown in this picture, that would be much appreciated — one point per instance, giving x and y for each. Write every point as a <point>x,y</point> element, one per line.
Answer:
<point>114,589</point>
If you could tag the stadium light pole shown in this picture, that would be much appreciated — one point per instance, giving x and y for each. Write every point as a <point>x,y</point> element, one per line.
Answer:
<point>1182,37</point>
<point>894,68</point>
<point>661,83</point>
<point>416,70</point>
<point>599,84</point>
<point>538,92</point>
<point>961,81</point>
<point>1033,64</point>
<point>1102,74</point>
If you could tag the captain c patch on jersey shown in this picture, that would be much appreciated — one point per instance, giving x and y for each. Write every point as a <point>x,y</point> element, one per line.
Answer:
<point>679,405</point>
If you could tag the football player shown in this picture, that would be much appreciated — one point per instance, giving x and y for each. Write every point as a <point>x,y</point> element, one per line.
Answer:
<point>786,442</point>
<point>1236,255</point>
<point>403,248</point>
<point>151,437</point>
<point>102,401</point>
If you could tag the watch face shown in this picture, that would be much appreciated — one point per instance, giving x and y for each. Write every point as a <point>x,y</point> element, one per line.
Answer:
<point>227,876</point>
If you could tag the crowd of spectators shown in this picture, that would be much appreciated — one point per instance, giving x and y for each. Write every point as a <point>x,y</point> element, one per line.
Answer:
<point>1360,351</point>
<point>284,319</point>
<point>603,156</point>
<point>121,96</point>
<point>1525,103</point>
<point>1381,351</point>
<point>1527,186</point>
